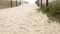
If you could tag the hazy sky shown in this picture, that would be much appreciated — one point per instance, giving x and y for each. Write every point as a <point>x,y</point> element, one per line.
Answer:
<point>33,1</point>
<point>30,1</point>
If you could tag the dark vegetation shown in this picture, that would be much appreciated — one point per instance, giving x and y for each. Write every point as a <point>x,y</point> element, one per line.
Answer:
<point>52,11</point>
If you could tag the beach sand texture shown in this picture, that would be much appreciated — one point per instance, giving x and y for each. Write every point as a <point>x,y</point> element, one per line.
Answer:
<point>25,19</point>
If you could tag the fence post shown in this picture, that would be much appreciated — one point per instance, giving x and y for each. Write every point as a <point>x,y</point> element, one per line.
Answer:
<point>20,2</point>
<point>46,3</point>
<point>11,3</point>
<point>41,3</point>
<point>16,2</point>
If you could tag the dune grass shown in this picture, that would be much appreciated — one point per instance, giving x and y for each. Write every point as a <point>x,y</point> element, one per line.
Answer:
<point>52,11</point>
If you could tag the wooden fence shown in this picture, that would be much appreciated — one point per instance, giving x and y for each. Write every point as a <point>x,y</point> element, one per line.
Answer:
<point>39,3</point>
<point>16,2</point>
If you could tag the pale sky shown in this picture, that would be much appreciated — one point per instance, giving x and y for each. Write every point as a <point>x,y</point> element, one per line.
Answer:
<point>33,1</point>
<point>30,1</point>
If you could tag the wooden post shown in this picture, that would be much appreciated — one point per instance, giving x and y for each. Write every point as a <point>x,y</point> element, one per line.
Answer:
<point>46,3</point>
<point>37,2</point>
<point>16,2</point>
<point>11,3</point>
<point>20,2</point>
<point>41,3</point>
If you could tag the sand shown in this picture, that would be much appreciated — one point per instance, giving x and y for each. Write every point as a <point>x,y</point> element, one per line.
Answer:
<point>25,19</point>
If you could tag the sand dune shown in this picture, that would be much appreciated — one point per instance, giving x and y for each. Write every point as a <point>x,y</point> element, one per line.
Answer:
<point>25,19</point>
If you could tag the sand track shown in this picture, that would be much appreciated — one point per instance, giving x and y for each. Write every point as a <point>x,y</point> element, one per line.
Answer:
<point>25,19</point>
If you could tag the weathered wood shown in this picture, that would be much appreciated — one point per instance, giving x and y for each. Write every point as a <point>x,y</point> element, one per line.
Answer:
<point>11,3</point>
<point>46,3</point>
<point>41,3</point>
<point>20,2</point>
<point>37,2</point>
<point>16,2</point>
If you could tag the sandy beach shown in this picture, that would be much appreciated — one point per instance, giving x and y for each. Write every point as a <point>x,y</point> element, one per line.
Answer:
<point>25,19</point>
